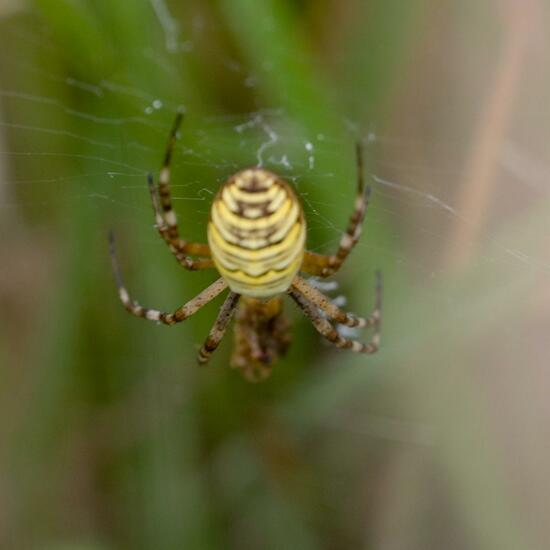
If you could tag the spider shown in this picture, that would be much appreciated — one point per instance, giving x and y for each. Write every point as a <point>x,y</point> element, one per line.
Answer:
<point>256,241</point>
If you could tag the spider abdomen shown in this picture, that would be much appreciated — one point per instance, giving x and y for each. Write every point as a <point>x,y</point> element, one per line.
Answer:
<point>257,233</point>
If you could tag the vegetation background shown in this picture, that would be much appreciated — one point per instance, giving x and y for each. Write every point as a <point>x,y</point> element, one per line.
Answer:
<point>111,436</point>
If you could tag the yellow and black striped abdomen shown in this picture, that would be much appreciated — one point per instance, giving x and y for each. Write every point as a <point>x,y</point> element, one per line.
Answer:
<point>257,233</point>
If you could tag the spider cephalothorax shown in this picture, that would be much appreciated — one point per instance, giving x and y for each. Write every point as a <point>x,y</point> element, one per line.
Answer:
<point>262,335</point>
<point>256,240</point>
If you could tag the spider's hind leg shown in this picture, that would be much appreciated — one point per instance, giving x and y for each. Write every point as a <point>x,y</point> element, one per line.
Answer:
<point>322,265</point>
<point>166,220</point>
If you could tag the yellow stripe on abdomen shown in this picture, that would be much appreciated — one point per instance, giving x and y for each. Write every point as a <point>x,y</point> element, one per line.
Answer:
<point>257,233</point>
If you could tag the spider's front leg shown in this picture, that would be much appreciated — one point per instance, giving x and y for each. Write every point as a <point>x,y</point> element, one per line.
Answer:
<point>332,311</point>
<point>218,330</point>
<point>322,265</point>
<point>168,318</point>
<point>312,302</point>
<point>165,218</point>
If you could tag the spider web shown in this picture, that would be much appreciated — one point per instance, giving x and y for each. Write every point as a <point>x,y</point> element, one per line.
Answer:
<point>440,261</point>
<point>58,157</point>
<point>263,138</point>
<point>55,156</point>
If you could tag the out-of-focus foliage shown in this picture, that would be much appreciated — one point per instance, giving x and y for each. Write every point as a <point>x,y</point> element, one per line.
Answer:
<point>112,437</point>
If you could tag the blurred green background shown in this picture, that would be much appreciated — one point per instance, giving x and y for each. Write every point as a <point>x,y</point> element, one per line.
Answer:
<point>111,436</point>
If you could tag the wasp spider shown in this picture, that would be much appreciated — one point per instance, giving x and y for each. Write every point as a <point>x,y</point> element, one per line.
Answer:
<point>256,240</point>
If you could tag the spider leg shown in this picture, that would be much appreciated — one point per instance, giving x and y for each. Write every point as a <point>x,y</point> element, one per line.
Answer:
<point>180,314</point>
<point>178,247</point>
<point>333,312</point>
<point>327,330</point>
<point>165,217</point>
<point>169,215</point>
<point>220,325</point>
<point>322,265</point>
